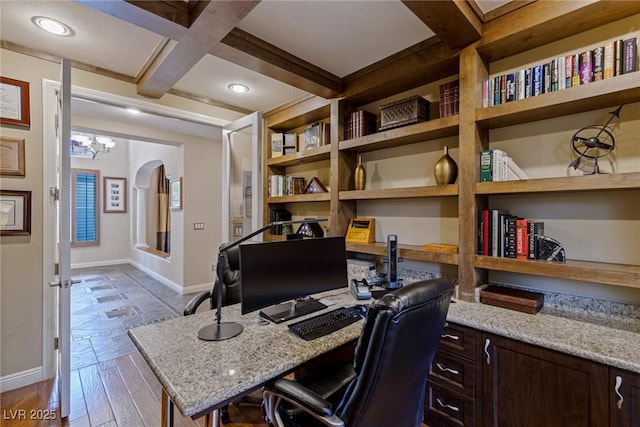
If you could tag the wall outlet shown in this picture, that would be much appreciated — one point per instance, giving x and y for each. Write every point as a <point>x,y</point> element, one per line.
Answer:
<point>198,225</point>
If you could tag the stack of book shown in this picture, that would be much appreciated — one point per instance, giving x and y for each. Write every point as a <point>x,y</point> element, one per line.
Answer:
<point>504,235</point>
<point>496,165</point>
<point>615,58</point>
<point>285,185</point>
<point>359,123</point>
<point>450,98</point>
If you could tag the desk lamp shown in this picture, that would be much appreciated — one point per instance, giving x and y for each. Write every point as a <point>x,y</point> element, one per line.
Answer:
<point>220,331</point>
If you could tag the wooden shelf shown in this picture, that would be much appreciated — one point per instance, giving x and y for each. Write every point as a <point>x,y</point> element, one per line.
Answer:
<point>307,156</point>
<point>401,193</point>
<point>306,111</point>
<point>301,198</point>
<point>410,252</point>
<point>592,96</point>
<point>424,131</point>
<point>596,272</point>
<point>616,181</point>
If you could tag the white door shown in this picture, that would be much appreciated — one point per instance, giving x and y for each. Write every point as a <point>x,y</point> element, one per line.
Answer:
<point>242,177</point>
<point>62,229</point>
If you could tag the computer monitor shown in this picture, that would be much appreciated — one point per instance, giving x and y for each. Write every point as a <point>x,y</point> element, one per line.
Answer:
<point>275,272</point>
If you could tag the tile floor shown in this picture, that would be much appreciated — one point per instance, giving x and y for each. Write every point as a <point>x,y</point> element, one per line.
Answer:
<point>109,301</point>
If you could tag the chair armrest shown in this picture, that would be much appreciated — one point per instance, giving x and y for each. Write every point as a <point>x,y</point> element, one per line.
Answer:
<point>303,396</point>
<point>195,302</point>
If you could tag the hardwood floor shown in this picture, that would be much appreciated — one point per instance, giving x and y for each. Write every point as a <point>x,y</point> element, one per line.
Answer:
<point>121,392</point>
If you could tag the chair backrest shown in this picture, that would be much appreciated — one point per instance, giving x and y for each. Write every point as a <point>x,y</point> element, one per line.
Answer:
<point>393,354</point>
<point>230,277</point>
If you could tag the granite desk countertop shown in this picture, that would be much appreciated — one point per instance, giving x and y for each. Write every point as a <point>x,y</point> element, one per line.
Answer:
<point>199,375</point>
<point>597,342</point>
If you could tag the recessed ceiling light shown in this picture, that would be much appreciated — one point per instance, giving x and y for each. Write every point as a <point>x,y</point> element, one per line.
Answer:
<point>133,111</point>
<point>238,88</point>
<point>52,26</point>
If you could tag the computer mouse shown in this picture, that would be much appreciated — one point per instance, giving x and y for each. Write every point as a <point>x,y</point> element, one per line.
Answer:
<point>360,308</point>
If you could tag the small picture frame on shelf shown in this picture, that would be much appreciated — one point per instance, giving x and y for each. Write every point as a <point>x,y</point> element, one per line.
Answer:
<point>115,195</point>
<point>175,189</point>
<point>15,213</point>
<point>12,156</point>
<point>14,102</point>
<point>277,143</point>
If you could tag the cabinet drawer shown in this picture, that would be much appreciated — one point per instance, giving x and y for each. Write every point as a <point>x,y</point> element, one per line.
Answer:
<point>459,340</point>
<point>444,408</point>
<point>454,372</point>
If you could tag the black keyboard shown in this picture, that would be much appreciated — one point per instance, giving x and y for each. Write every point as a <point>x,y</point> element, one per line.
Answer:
<point>324,324</point>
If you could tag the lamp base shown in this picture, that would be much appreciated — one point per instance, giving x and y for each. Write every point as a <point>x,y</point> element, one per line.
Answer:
<point>220,332</point>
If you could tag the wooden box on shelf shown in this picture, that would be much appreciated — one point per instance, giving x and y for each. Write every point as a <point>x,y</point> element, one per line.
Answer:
<point>512,299</point>
<point>404,112</point>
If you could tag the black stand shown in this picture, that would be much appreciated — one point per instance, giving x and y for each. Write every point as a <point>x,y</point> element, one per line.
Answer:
<point>224,330</point>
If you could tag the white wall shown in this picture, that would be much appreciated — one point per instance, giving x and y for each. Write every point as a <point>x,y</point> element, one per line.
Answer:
<point>22,285</point>
<point>114,227</point>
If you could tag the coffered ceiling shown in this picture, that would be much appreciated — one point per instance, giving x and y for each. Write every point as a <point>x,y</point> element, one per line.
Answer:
<point>282,50</point>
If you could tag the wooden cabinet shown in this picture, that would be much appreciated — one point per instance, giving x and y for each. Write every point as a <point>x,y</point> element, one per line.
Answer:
<point>524,384</point>
<point>624,408</point>
<point>452,385</point>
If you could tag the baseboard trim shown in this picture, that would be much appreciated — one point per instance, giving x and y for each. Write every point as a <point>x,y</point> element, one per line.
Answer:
<point>100,263</point>
<point>197,288</point>
<point>20,379</point>
<point>169,283</point>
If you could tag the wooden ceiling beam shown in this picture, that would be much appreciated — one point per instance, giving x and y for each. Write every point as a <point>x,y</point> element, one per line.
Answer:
<point>454,21</point>
<point>212,24</point>
<point>135,12</point>
<point>248,51</point>
<point>419,64</point>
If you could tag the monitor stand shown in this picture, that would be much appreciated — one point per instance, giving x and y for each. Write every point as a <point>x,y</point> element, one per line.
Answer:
<point>286,311</point>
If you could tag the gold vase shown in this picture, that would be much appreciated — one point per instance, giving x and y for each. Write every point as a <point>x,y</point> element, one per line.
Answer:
<point>446,169</point>
<point>360,175</point>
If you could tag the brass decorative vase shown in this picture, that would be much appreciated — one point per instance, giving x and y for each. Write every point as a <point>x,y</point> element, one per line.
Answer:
<point>360,175</point>
<point>446,169</point>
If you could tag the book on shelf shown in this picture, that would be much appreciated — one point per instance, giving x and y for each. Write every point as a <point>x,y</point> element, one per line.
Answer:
<point>586,67</point>
<point>449,98</point>
<point>285,185</point>
<point>630,60</point>
<point>510,87</point>
<point>546,77</point>
<point>485,166</point>
<point>598,63</point>
<point>537,83</point>
<point>575,72</point>
<point>609,60</point>
<point>277,142</point>
<point>497,231</point>
<point>535,229</point>
<point>359,123</point>
<point>522,241</point>
<point>568,70</point>
<point>619,54</point>
<point>496,165</point>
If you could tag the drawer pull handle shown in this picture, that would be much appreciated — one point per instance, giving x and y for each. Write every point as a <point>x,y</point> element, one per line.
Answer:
<point>445,369</point>
<point>444,405</point>
<point>453,337</point>
<point>487,342</point>
<point>617,389</point>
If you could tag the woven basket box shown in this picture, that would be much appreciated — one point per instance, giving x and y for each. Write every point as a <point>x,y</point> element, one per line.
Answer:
<point>404,112</point>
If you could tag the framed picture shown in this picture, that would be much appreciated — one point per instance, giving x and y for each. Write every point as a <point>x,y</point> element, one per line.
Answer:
<point>11,156</point>
<point>175,188</point>
<point>115,195</point>
<point>14,102</point>
<point>15,213</point>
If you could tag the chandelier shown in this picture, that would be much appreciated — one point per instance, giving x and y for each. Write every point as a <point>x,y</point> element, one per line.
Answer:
<point>87,145</point>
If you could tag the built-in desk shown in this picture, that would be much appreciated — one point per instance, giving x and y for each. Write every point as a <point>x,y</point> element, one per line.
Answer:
<point>200,376</point>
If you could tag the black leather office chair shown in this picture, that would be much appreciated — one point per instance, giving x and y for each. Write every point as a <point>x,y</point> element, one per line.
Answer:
<point>385,386</point>
<point>231,286</point>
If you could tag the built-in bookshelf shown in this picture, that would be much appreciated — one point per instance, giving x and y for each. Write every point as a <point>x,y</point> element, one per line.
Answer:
<point>470,132</point>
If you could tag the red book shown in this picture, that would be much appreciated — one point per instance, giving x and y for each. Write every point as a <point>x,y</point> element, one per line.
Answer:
<point>522,239</point>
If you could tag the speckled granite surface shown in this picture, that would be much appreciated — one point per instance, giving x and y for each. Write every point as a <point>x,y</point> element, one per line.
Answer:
<point>199,375</point>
